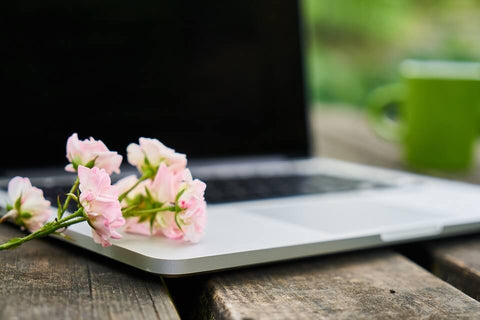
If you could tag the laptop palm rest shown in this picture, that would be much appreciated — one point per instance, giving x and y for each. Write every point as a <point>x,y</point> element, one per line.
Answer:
<point>393,222</point>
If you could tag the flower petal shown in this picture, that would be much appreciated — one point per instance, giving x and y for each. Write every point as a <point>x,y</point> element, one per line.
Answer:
<point>16,188</point>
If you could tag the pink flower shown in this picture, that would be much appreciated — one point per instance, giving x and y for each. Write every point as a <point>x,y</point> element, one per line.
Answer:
<point>80,153</point>
<point>166,184</point>
<point>27,205</point>
<point>163,189</point>
<point>100,201</point>
<point>193,218</point>
<point>149,153</point>
<point>190,222</point>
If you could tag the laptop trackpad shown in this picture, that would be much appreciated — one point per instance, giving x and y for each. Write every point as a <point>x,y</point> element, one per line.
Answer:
<point>346,216</point>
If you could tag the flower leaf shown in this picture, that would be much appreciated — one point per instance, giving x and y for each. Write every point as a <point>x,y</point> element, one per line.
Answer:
<point>59,206</point>
<point>152,221</point>
<point>149,195</point>
<point>147,162</point>
<point>90,164</point>
<point>142,219</point>
<point>18,203</point>
<point>73,196</point>
<point>25,215</point>
<point>180,194</point>
<point>90,224</point>
<point>177,221</point>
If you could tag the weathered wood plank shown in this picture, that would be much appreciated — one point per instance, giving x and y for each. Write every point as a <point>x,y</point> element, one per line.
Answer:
<point>376,284</point>
<point>457,261</point>
<point>48,279</point>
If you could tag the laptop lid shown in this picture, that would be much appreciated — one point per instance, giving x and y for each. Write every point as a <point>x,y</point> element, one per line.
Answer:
<point>208,78</point>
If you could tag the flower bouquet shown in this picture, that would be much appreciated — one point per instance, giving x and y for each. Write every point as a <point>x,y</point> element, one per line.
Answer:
<point>164,201</point>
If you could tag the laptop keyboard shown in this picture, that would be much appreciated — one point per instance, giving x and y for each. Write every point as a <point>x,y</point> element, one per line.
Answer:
<point>255,188</point>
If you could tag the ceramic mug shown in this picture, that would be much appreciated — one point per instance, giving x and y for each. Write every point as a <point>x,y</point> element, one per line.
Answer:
<point>438,113</point>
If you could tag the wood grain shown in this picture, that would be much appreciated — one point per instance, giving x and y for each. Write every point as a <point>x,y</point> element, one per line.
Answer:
<point>457,261</point>
<point>377,284</point>
<point>48,279</point>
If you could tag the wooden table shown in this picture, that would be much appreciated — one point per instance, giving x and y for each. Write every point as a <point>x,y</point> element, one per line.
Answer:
<point>47,279</point>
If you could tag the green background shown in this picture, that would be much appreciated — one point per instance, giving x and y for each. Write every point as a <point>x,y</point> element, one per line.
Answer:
<point>354,46</point>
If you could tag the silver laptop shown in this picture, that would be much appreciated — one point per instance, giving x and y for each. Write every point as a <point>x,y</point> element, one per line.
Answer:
<point>222,82</point>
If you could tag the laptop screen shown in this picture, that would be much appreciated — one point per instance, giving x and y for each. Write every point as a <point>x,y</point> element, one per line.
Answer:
<point>208,78</point>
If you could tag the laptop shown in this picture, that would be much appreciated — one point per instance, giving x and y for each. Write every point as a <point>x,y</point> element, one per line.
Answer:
<point>223,83</point>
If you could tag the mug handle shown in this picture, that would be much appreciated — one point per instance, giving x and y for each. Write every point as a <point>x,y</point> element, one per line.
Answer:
<point>378,103</point>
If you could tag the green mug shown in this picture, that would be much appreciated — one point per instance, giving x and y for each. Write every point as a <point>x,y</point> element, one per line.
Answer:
<point>438,108</point>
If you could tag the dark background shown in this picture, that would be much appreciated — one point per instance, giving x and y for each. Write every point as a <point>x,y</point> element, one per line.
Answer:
<point>208,78</point>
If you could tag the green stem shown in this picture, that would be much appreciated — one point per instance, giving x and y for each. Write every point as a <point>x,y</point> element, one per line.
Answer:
<point>154,210</point>
<point>67,201</point>
<point>60,226</point>
<point>46,230</point>
<point>141,179</point>
<point>77,213</point>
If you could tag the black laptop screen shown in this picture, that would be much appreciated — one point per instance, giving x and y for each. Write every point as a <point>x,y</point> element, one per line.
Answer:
<point>208,78</point>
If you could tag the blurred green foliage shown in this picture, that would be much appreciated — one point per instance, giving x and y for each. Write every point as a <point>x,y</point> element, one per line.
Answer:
<point>353,46</point>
